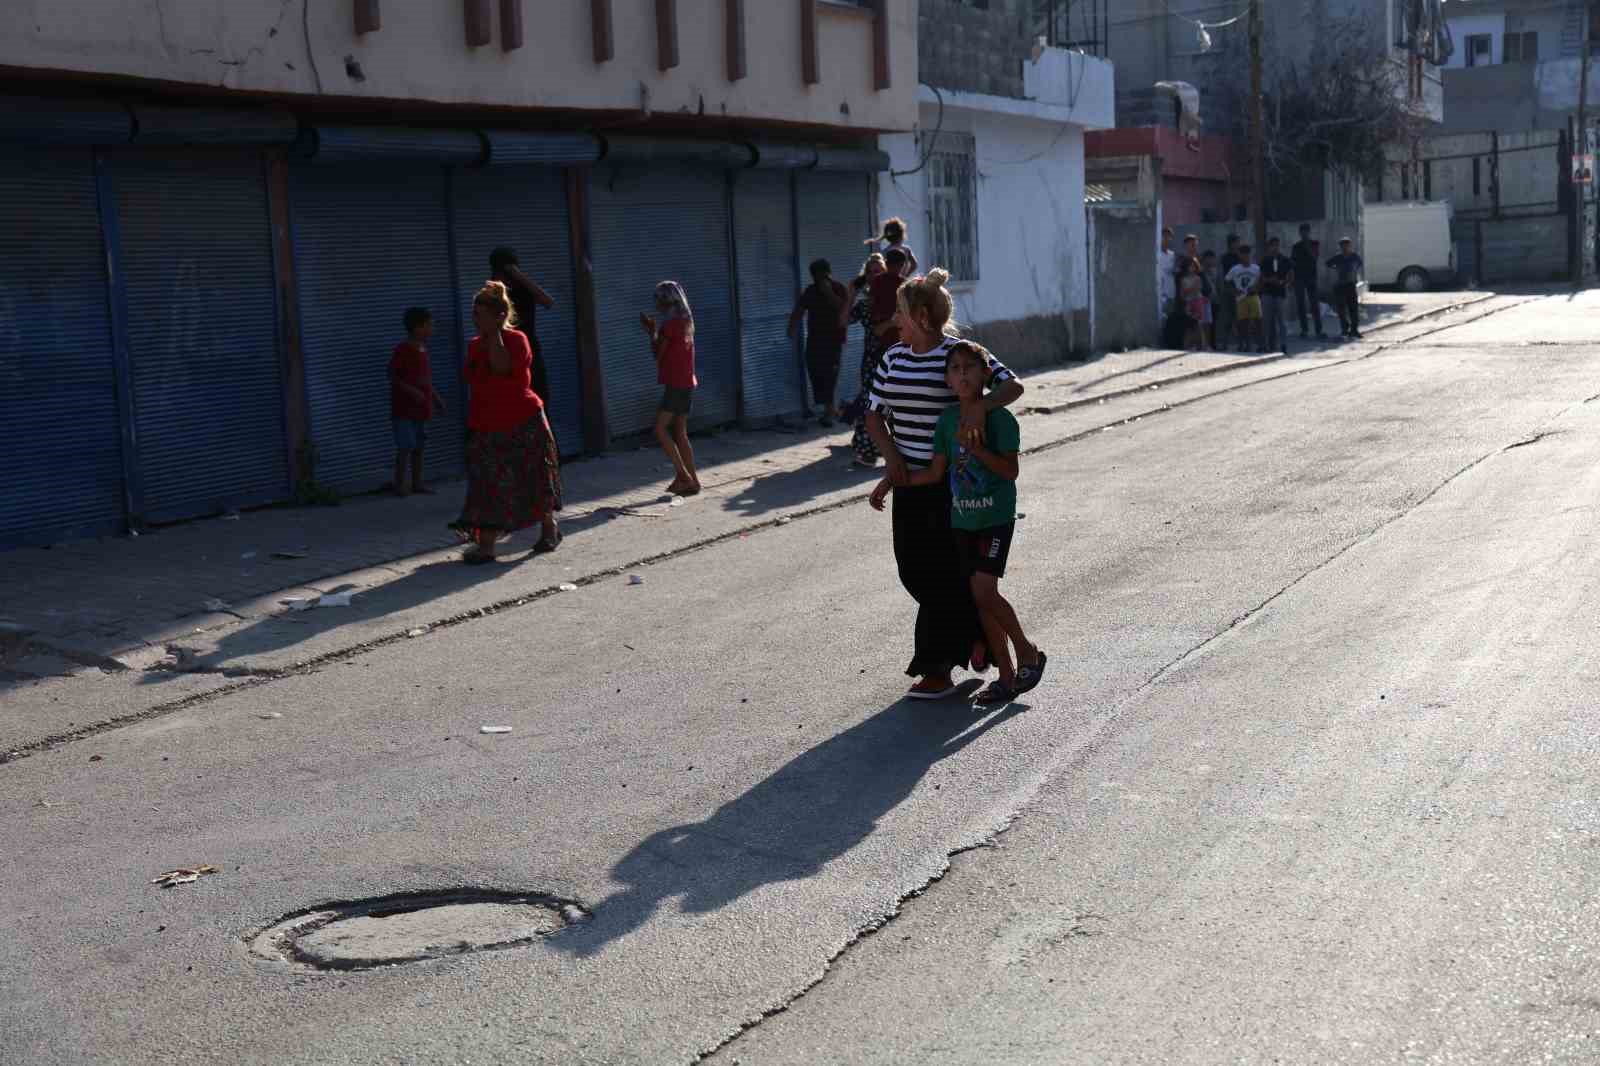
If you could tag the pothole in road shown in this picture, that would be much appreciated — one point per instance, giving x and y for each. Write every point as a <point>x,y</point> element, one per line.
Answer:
<point>413,927</point>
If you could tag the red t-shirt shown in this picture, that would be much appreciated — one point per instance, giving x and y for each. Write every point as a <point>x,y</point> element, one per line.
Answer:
<point>409,366</point>
<point>675,365</point>
<point>501,402</point>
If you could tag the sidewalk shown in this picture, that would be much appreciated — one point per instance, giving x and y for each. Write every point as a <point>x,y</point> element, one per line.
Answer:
<point>214,590</point>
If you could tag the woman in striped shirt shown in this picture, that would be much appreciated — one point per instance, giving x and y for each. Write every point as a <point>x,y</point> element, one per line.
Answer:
<point>909,393</point>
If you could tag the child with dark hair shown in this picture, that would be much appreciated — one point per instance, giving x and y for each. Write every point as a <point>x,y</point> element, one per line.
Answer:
<point>413,400</point>
<point>527,297</point>
<point>824,305</point>
<point>894,240</point>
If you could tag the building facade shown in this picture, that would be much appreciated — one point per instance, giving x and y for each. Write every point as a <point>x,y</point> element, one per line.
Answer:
<point>215,213</point>
<point>991,182</point>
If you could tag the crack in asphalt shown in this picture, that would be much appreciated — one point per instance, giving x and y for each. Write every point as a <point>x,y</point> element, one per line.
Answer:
<point>245,678</point>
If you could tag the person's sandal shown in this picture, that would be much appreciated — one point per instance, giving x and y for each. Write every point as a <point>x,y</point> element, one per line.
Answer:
<point>546,545</point>
<point>996,694</point>
<point>1028,677</point>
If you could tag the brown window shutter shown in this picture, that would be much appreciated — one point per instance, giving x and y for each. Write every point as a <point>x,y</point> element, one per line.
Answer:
<point>479,23</point>
<point>510,25</point>
<point>880,44</point>
<point>810,70</point>
<point>667,32</point>
<point>737,65</point>
<point>605,48</point>
<point>367,17</point>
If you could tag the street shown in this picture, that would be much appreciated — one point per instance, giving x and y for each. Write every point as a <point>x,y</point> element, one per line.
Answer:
<point>1310,777</point>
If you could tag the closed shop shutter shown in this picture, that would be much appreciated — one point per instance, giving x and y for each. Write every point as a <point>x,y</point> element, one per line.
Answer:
<point>202,335</point>
<point>651,224</point>
<point>835,218</point>
<point>370,241</point>
<point>764,249</point>
<point>525,207</point>
<point>60,446</point>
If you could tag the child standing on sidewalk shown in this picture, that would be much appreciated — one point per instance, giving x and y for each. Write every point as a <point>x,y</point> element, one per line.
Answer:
<point>983,515</point>
<point>413,400</point>
<point>1244,281</point>
<point>671,333</point>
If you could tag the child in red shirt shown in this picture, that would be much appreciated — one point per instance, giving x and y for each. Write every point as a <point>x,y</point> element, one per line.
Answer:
<point>671,333</point>
<point>413,400</point>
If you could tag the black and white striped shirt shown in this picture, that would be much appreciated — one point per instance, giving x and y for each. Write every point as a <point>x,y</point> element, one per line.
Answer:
<point>910,390</point>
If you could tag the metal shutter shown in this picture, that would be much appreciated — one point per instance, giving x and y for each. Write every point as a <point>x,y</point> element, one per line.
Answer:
<point>526,207</point>
<point>835,218</point>
<point>202,336</point>
<point>772,377</point>
<point>670,221</point>
<point>371,240</point>
<point>60,448</point>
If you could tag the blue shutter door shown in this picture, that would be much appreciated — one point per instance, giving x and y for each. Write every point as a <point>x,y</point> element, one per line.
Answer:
<point>370,241</point>
<point>60,445</point>
<point>202,332</point>
<point>526,207</point>
<point>763,222</point>
<point>649,225</point>
<point>835,218</point>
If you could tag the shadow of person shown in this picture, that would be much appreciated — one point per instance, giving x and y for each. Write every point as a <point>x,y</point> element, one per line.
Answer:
<point>814,809</point>
<point>787,490</point>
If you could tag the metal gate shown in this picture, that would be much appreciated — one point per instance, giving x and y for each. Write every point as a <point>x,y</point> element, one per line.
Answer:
<point>772,380</point>
<point>835,214</point>
<point>652,222</point>
<point>202,331</point>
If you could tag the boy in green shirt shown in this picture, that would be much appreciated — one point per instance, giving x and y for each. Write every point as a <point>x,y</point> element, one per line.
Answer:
<point>983,512</point>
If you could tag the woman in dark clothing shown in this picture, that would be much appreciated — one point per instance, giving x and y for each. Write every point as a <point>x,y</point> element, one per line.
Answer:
<point>526,298</point>
<point>513,467</point>
<point>824,305</point>
<point>909,393</point>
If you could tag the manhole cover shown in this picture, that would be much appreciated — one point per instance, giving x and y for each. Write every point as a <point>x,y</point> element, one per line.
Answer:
<point>412,928</point>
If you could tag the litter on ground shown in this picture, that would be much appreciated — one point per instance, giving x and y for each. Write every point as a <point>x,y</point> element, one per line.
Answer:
<point>173,878</point>
<point>494,729</point>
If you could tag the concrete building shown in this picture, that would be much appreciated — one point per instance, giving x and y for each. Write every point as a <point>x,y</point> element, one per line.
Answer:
<point>1515,65</point>
<point>213,213</point>
<point>992,181</point>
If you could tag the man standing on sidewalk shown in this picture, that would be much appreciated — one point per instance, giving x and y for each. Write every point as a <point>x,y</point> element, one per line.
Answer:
<point>1347,265</point>
<point>1307,301</point>
<point>1166,275</point>
<point>1277,274</point>
<point>1228,310</point>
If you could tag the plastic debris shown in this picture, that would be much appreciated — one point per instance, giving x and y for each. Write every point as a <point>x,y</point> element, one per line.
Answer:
<point>417,632</point>
<point>247,555</point>
<point>185,876</point>
<point>290,555</point>
<point>300,604</point>
<point>635,579</point>
<point>677,501</point>
<point>785,520</point>
<point>216,605</point>
<point>335,599</point>
<point>231,516</point>
<point>270,715</point>
<point>494,729</point>
<point>568,587</point>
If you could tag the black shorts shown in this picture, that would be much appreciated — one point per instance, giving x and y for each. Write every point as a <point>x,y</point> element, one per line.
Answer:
<point>985,551</point>
<point>676,401</point>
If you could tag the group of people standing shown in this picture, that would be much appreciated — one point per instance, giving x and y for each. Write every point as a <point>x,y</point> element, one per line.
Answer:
<point>1241,303</point>
<point>513,462</point>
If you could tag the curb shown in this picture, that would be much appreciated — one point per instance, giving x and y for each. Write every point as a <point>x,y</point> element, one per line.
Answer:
<point>1133,390</point>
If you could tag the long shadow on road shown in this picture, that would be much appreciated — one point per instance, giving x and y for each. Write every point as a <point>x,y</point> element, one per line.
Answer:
<point>813,810</point>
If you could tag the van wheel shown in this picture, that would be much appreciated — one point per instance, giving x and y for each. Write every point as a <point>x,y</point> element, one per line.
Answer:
<point>1415,279</point>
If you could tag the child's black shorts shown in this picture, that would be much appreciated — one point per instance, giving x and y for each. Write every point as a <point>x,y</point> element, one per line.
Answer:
<point>985,551</point>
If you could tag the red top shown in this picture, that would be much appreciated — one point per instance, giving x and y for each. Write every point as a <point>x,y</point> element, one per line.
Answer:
<point>675,364</point>
<point>501,402</point>
<point>409,366</point>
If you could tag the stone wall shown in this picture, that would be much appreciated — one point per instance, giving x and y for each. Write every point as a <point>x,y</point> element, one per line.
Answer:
<point>971,49</point>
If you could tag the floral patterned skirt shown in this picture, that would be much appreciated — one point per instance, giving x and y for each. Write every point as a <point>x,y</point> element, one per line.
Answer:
<point>513,479</point>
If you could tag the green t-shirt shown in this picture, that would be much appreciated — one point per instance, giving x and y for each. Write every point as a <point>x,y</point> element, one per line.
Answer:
<point>980,497</point>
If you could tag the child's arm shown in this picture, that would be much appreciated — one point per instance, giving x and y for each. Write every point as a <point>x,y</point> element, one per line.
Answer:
<point>931,474</point>
<point>879,494</point>
<point>795,315</point>
<point>438,401</point>
<point>1005,465</point>
<point>406,386</point>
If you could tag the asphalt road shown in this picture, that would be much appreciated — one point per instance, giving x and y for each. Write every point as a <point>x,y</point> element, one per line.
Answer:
<point>1310,779</point>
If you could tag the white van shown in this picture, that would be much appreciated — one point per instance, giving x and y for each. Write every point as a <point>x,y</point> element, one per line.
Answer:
<point>1408,244</point>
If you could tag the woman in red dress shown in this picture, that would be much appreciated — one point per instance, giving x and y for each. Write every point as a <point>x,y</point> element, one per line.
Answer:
<point>513,466</point>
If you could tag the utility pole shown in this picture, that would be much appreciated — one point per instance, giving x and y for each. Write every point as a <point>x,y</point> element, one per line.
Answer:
<point>1258,156</point>
<point>1580,148</point>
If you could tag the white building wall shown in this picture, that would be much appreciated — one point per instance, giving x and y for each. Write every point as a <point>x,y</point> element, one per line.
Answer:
<point>1466,26</point>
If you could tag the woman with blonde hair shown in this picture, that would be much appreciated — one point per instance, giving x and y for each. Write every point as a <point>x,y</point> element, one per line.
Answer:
<point>909,393</point>
<point>513,465</point>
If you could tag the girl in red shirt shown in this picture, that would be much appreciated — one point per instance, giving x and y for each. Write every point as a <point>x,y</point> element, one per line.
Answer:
<point>671,333</point>
<point>513,466</point>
